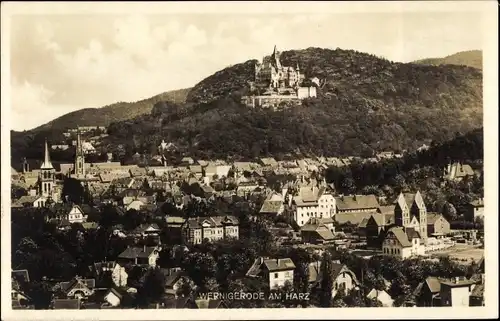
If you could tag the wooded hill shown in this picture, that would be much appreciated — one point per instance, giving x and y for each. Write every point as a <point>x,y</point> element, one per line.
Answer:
<point>365,104</point>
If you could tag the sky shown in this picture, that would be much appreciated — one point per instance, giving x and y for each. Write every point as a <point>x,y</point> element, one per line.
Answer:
<point>65,62</point>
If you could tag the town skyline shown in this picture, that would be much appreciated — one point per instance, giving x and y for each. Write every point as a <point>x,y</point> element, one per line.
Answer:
<point>88,66</point>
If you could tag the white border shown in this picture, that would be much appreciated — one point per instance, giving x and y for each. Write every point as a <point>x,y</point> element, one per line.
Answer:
<point>490,60</point>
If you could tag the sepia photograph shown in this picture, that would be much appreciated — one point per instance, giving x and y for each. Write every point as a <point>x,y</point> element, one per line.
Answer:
<point>257,160</point>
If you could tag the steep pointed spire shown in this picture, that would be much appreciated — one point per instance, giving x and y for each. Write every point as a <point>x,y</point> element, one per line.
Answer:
<point>46,161</point>
<point>274,51</point>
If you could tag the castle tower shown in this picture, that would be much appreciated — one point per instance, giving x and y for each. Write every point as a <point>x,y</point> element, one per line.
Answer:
<point>47,175</point>
<point>79,157</point>
<point>275,59</point>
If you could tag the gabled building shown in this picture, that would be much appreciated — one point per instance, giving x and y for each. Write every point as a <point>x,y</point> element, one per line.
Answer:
<point>213,228</point>
<point>435,291</point>
<point>77,288</point>
<point>312,201</point>
<point>145,256</point>
<point>318,231</point>
<point>437,225</point>
<point>276,271</point>
<point>402,243</point>
<point>342,277</point>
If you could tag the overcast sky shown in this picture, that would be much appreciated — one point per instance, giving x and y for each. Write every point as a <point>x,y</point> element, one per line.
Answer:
<point>61,63</point>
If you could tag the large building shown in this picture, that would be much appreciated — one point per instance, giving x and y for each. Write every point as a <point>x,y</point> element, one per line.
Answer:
<point>271,73</point>
<point>213,228</point>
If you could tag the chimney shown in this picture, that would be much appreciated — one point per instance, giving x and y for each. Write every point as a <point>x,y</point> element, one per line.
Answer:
<point>278,261</point>
<point>457,279</point>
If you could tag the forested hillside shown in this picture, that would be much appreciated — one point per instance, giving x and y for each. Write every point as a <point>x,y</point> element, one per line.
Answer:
<point>365,104</point>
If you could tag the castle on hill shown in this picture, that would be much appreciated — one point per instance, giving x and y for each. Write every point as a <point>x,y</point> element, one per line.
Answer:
<point>273,74</point>
<point>277,84</point>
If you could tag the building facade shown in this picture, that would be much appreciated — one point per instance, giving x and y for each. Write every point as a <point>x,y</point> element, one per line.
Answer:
<point>214,228</point>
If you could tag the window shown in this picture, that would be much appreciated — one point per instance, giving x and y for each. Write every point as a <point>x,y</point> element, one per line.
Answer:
<point>275,275</point>
<point>336,286</point>
<point>287,274</point>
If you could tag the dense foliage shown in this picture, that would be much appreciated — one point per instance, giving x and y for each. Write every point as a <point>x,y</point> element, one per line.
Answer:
<point>365,104</point>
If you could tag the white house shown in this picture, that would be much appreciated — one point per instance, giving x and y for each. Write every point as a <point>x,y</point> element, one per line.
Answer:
<point>402,242</point>
<point>76,215</point>
<point>277,271</point>
<point>312,201</point>
<point>113,297</point>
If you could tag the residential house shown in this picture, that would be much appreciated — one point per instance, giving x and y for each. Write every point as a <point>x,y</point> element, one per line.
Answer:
<point>402,243</point>
<point>276,271</point>
<point>443,292</point>
<point>312,201</point>
<point>77,288</point>
<point>342,277</point>
<point>213,228</point>
<point>76,214</point>
<point>456,292</point>
<point>474,210</point>
<point>146,255</point>
<point>116,296</point>
<point>381,296</point>
<point>29,201</point>
<point>457,172</point>
<point>437,225</point>
<point>354,208</point>
<point>318,231</point>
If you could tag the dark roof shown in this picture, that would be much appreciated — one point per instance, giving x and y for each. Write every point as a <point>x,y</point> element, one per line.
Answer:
<point>357,202</point>
<point>214,221</point>
<point>353,218</point>
<point>66,286</point>
<point>137,252</point>
<point>279,264</point>
<point>400,235</point>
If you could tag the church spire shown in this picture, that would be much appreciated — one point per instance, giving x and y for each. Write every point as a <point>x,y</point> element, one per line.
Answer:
<point>46,161</point>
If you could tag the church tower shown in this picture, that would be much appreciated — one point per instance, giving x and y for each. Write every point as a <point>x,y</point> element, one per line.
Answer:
<point>47,175</point>
<point>79,157</point>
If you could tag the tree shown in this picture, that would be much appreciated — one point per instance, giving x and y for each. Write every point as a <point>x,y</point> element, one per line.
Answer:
<point>153,287</point>
<point>326,284</point>
<point>73,190</point>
